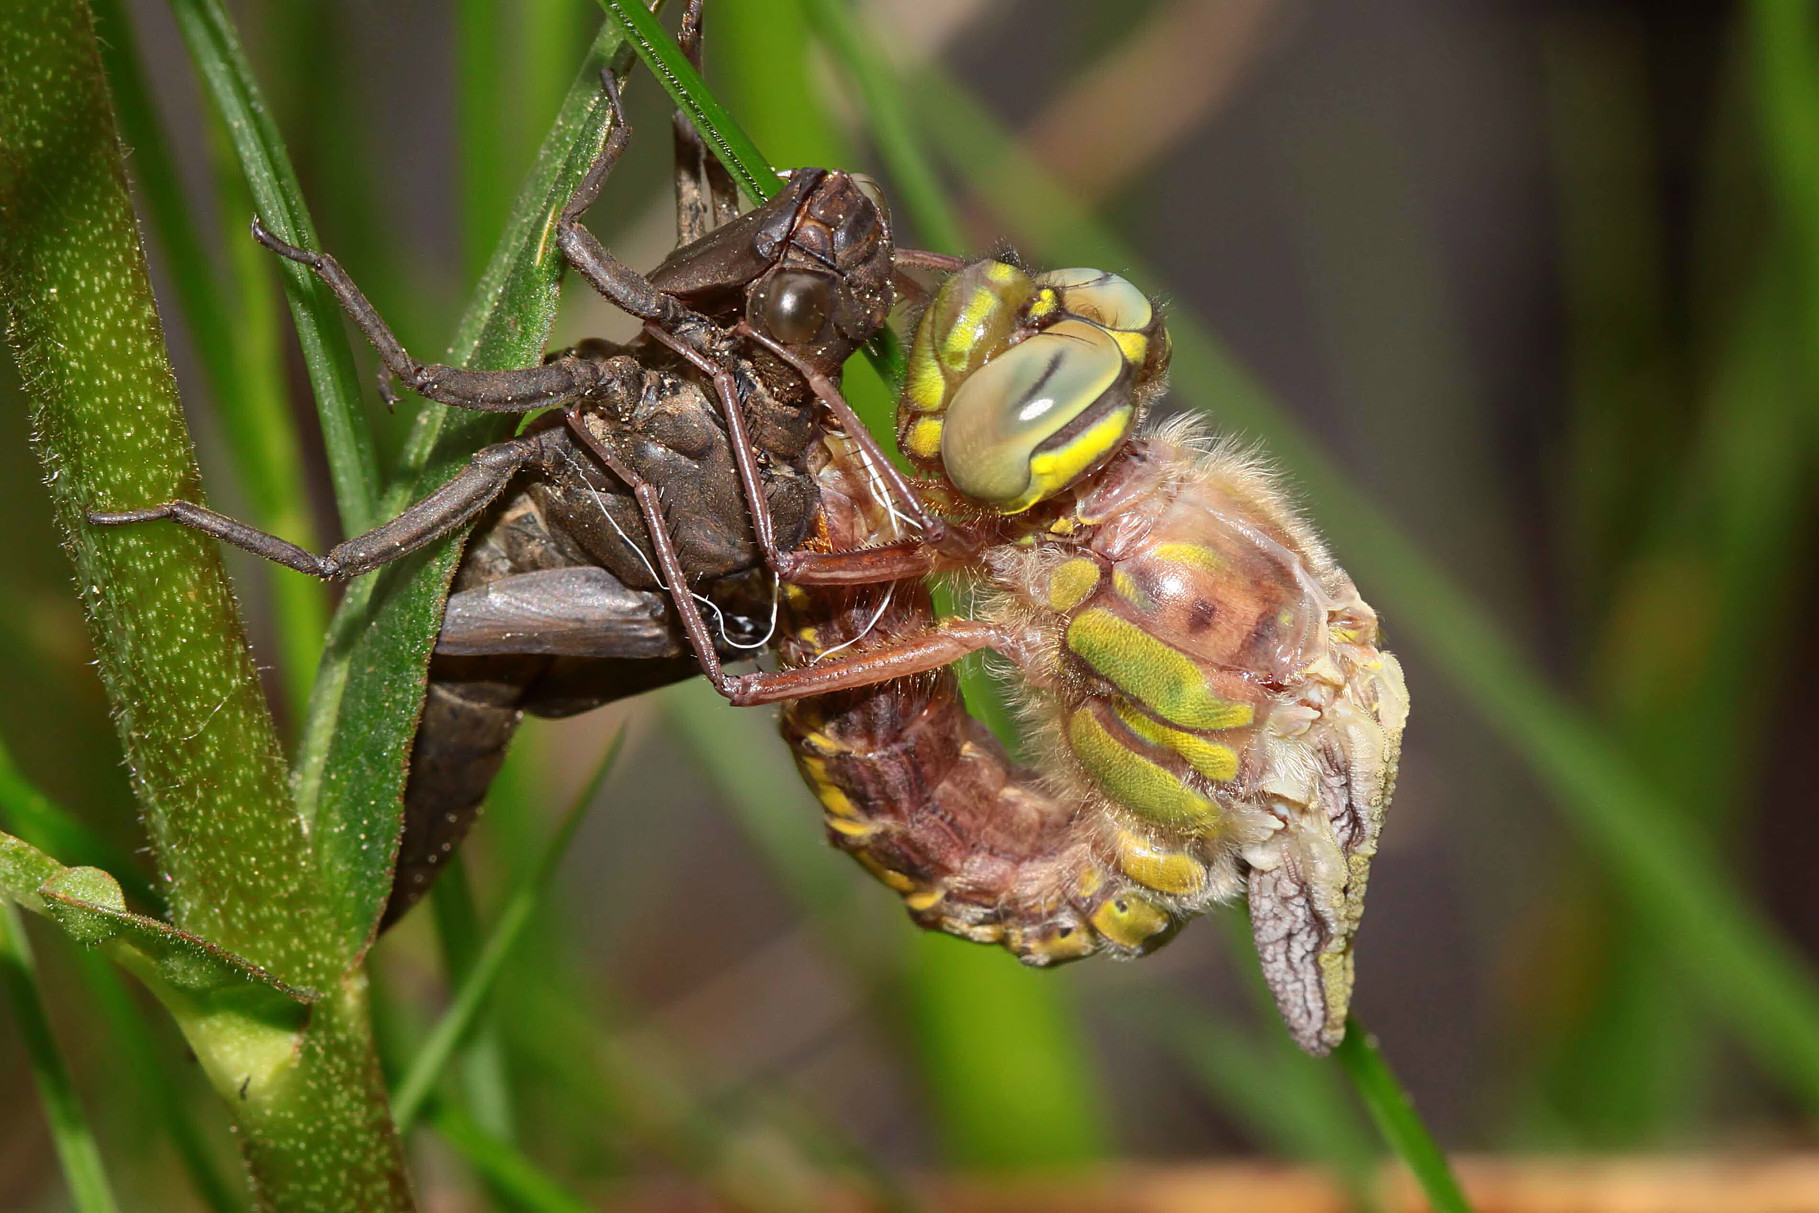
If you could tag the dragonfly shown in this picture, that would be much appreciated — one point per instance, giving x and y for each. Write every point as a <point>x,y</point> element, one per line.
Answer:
<point>1206,693</point>
<point>1205,690</point>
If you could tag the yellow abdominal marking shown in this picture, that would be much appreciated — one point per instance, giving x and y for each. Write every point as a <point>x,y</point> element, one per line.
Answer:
<point>1164,680</point>
<point>1193,556</point>
<point>1165,871</point>
<point>1134,782</point>
<point>892,880</point>
<point>1129,921</point>
<point>852,828</point>
<point>1052,471</point>
<point>1071,583</point>
<point>1128,589</point>
<point>925,900</point>
<point>1218,763</point>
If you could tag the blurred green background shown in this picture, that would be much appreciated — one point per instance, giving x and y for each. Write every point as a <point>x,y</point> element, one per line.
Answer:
<point>1531,288</point>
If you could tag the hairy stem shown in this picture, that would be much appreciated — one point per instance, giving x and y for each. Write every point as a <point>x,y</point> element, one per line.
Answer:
<point>167,633</point>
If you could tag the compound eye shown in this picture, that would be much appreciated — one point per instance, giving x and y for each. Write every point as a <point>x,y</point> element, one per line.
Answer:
<point>1037,417</point>
<point>793,307</point>
<point>1100,297</point>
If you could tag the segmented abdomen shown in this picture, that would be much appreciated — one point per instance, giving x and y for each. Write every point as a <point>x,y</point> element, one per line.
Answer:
<point>923,795</point>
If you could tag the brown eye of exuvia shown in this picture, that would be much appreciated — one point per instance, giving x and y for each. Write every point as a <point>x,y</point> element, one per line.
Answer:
<point>793,307</point>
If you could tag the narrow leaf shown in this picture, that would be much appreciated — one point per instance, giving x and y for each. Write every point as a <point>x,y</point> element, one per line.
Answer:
<point>505,1166</point>
<point>351,767</point>
<point>1397,1119</point>
<point>215,47</point>
<point>726,139</point>
<point>89,1189</point>
<point>520,907</point>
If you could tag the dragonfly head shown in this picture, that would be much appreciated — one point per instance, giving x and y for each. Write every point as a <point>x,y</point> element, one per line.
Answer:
<point>1019,386</point>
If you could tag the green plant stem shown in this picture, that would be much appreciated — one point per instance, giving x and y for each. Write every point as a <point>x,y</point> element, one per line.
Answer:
<point>170,644</point>
<point>240,359</point>
<point>1397,1119</point>
<point>477,984</point>
<point>353,466</point>
<point>75,1143</point>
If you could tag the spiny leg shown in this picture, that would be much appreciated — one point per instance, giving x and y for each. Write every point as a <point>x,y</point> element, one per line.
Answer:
<point>901,658</point>
<point>705,195</point>
<point>937,532</point>
<point>443,511</point>
<point>663,544</point>
<point>617,282</point>
<point>508,391</point>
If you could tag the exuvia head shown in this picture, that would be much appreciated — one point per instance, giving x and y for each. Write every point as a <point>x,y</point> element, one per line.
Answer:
<point>1020,385</point>
<point>811,268</point>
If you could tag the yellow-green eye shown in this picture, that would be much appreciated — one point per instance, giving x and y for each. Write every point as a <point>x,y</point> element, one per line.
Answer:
<point>1100,297</point>
<point>1032,420</point>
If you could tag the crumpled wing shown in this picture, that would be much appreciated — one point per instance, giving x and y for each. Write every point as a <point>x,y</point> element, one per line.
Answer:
<point>1306,887</point>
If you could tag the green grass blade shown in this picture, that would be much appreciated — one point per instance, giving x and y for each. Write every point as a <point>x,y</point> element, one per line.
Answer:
<point>351,766</point>
<point>726,139</point>
<point>520,907</point>
<point>481,115</point>
<point>478,1066</point>
<point>1397,1119</point>
<point>1000,1050</point>
<point>1741,961</point>
<point>162,1092</point>
<point>76,1148</point>
<point>1784,48</point>
<point>47,825</point>
<point>505,1166</point>
<point>916,181</point>
<point>353,466</point>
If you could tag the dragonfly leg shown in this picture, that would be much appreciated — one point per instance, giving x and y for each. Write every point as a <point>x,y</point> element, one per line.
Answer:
<point>942,646</point>
<point>506,391</point>
<point>663,545</point>
<point>616,281</point>
<point>443,511</point>
<point>937,533</point>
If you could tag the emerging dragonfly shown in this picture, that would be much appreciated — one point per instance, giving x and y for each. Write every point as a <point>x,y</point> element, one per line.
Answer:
<point>1201,681</point>
<point>646,473</point>
<point>1203,684</point>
